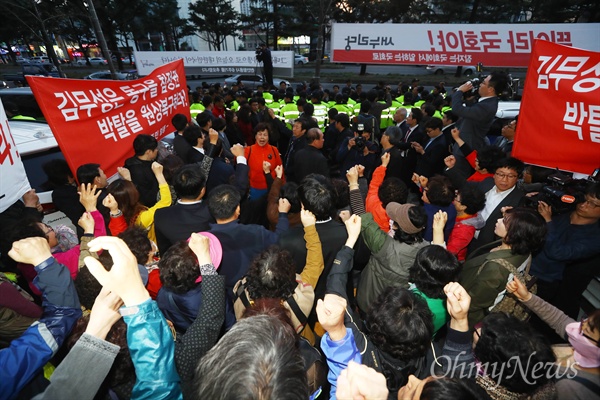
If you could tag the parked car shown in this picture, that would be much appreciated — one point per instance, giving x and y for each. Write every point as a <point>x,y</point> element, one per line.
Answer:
<point>300,59</point>
<point>252,81</point>
<point>40,60</point>
<point>99,61</point>
<point>31,69</point>
<point>467,70</point>
<point>122,76</point>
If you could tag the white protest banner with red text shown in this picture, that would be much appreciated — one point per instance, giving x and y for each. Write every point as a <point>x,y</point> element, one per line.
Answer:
<point>96,121</point>
<point>13,180</point>
<point>499,45</point>
<point>559,121</point>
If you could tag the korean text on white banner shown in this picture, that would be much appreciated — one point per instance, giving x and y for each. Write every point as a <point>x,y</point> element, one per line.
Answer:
<point>13,180</point>
<point>499,45</point>
<point>559,120</point>
<point>215,62</point>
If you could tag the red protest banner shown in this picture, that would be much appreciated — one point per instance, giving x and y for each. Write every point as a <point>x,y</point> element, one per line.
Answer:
<point>559,121</point>
<point>96,121</point>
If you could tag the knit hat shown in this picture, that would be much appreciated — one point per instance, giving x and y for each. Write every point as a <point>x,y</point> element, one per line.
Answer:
<point>215,249</point>
<point>399,213</point>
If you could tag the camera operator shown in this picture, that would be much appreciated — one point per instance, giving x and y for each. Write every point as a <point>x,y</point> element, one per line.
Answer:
<point>263,54</point>
<point>476,119</point>
<point>573,238</point>
<point>359,150</point>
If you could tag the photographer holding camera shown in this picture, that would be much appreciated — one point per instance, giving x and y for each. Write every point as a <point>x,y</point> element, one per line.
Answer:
<point>263,54</point>
<point>476,119</point>
<point>359,150</point>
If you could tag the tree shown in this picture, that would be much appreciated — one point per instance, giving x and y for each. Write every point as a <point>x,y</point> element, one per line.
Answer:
<point>214,20</point>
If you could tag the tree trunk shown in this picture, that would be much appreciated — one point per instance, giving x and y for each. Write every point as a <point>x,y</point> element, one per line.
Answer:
<point>363,69</point>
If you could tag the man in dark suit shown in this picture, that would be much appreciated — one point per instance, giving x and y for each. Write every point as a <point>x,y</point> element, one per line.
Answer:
<point>241,243</point>
<point>316,195</point>
<point>476,119</point>
<point>414,134</point>
<point>449,121</point>
<point>501,192</point>
<point>310,160</point>
<point>190,214</point>
<point>400,119</point>
<point>389,144</point>
<point>430,159</point>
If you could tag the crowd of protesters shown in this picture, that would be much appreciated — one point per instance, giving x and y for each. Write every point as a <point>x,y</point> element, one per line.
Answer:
<point>306,244</point>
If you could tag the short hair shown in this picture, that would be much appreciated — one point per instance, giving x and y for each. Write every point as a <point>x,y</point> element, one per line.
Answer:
<point>365,106</point>
<point>394,135</point>
<point>203,118</point>
<point>489,156</point>
<point>57,171</point>
<point>429,109</point>
<point>593,189</point>
<point>262,126</point>
<point>525,230</point>
<point>417,114</point>
<point>179,121</point>
<point>223,200</point>
<point>219,124</point>
<point>434,123</point>
<point>343,119</point>
<point>332,113</point>
<point>171,164</point>
<point>313,134</point>
<point>143,142</point>
<point>315,194</point>
<point>515,351</point>
<point>86,173</point>
<point>434,268</point>
<point>392,189</point>
<point>512,163</point>
<point>473,198</point>
<point>272,274</point>
<point>418,217</point>
<point>308,109</point>
<point>400,324</point>
<point>499,81</point>
<point>136,238</point>
<point>304,123</point>
<point>178,268</point>
<point>440,191</point>
<point>289,191</point>
<point>207,101</point>
<point>189,181</point>
<point>191,134</point>
<point>451,116</point>
<point>341,193</point>
<point>257,359</point>
<point>453,388</point>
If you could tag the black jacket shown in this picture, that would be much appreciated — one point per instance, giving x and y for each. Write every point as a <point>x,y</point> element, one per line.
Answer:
<point>143,179</point>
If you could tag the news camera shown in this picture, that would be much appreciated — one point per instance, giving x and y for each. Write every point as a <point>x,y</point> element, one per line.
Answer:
<point>360,142</point>
<point>562,193</point>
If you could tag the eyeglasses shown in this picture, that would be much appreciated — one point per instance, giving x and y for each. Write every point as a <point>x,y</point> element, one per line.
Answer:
<point>584,335</point>
<point>590,203</point>
<point>48,229</point>
<point>508,176</point>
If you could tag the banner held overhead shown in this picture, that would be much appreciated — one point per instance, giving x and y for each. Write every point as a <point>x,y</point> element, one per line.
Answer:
<point>559,120</point>
<point>494,45</point>
<point>96,121</point>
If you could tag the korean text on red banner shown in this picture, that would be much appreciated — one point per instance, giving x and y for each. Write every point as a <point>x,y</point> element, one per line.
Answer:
<point>97,121</point>
<point>559,122</point>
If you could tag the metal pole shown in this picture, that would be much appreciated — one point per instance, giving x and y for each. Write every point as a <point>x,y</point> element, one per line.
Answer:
<point>101,39</point>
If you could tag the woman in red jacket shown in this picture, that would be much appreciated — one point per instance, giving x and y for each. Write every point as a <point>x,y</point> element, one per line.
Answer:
<point>256,155</point>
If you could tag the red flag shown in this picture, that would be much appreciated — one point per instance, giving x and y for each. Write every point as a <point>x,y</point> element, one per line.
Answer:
<point>559,121</point>
<point>95,121</point>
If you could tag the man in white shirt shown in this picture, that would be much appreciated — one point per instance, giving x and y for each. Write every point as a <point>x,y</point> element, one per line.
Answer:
<point>504,193</point>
